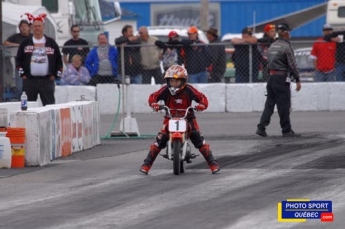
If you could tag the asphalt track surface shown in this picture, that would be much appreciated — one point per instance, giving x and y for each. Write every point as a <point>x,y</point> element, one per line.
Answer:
<point>103,188</point>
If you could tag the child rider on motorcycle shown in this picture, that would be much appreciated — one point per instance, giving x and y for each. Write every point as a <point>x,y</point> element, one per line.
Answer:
<point>177,94</point>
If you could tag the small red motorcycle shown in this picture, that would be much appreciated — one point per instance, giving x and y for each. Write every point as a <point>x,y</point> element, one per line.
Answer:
<point>178,147</point>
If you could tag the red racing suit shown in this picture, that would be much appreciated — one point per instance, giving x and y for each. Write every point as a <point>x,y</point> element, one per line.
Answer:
<point>182,100</point>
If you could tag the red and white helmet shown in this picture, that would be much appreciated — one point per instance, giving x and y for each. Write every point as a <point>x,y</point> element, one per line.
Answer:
<point>176,72</point>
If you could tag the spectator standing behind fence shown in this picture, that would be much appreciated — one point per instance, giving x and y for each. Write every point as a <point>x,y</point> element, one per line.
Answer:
<point>197,57</point>
<point>39,62</point>
<point>75,73</point>
<point>338,37</point>
<point>150,57</point>
<point>18,38</point>
<point>171,50</point>
<point>102,62</point>
<point>14,41</point>
<point>217,51</point>
<point>264,43</point>
<point>323,57</point>
<point>75,41</point>
<point>282,65</point>
<point>244,48</point>
<point>132,55</point>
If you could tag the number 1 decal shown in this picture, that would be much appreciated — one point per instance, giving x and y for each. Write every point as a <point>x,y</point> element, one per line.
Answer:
<point>177,125</point>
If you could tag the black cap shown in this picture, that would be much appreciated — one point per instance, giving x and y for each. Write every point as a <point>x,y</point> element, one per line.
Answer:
<point>24,22</point>
<point>283,27</point>
<point>247,30</point>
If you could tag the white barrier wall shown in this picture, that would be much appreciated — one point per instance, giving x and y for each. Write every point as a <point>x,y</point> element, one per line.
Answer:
<point>336,96</point>
<point>222,97</point>
<point>58,130</point>
<point>230,97</point>
<point>7,108</point>
<point>65,94</point>
<point>37,122</point>
<point>108,98</point>
<point>218,94</point>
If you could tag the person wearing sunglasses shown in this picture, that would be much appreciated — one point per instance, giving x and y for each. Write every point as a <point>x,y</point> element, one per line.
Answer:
<point>78,46</point>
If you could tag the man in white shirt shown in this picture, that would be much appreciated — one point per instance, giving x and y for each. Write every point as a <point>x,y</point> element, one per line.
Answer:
<point>39,62</point>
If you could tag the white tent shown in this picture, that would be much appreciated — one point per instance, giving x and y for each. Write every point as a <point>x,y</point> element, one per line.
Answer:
<point>11,16</point>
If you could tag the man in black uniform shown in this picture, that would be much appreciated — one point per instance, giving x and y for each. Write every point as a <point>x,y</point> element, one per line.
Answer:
<point>281,66</point>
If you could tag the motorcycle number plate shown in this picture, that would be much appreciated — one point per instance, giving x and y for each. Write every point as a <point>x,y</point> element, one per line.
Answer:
<point>177,125</point>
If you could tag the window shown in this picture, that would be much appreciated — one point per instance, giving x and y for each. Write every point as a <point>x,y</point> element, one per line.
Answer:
<point>87,12</point>
<point>51,5</point>
<point>110,10</point>
<point>341,11</point>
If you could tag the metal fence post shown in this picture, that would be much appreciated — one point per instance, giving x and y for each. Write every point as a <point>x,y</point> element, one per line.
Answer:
<point>250,63</point>
<point>123,74</point>
<point>2,74</point>
<point>128,125</point>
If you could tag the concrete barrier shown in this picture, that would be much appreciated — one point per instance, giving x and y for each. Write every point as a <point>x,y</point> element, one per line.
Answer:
<point>108,97</point>
<point>37,122</point>
<point>65,94</point>
<point>231,97</point>
<point>58,130</point>
<point>4,116</point>
<point>218,94</point>
<point>222,97</point>
<point>7,108</point>
<point>336,96</point>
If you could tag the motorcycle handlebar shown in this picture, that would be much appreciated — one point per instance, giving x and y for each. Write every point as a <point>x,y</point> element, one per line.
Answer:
<point>167,110</point>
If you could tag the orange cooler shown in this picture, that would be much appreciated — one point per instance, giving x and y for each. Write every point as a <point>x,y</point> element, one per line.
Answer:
<point>17,139</point>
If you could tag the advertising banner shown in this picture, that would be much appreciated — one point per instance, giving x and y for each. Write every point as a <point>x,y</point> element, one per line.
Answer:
<point>183,15</point>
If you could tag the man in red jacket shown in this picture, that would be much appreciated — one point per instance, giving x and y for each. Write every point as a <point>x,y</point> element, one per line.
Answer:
<point>177,94</point>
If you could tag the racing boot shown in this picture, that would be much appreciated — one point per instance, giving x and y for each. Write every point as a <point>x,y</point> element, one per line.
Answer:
<point>151,156</point>
<point>212,163</point>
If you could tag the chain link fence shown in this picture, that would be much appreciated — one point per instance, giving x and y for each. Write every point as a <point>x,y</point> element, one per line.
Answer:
<point>146,64</point>
<point>10,82</point>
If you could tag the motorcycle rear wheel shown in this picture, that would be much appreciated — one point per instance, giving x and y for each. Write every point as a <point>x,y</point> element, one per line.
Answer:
<point>176,148</point>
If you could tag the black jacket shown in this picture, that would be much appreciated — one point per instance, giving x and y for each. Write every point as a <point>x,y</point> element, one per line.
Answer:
<point>197,57</point>
<point>172,44</point>
<point>340,47</point>
<point>23,59</point>
<point>217,51</point>
<point>266,41</point>
<point>132,56</point>
<point>281,57</point>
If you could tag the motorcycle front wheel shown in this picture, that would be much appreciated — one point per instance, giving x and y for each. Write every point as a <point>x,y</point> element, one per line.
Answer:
<point>176,148</point>
<point>182,167</point>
